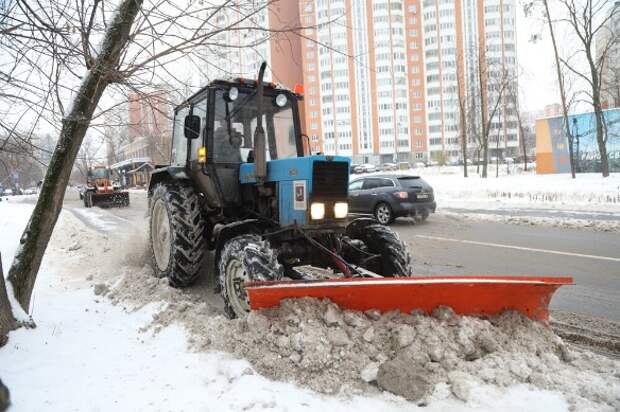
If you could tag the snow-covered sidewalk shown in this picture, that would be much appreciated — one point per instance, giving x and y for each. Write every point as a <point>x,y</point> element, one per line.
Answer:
<point>89,354</point>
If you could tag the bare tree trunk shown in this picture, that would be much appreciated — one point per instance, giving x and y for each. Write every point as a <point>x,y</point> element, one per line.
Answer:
<point>485,157</point>
<point>521,132</point>
<point>561,84</point>
<point>36,236</point>
<point>600,136</point>
<point>7,321</point>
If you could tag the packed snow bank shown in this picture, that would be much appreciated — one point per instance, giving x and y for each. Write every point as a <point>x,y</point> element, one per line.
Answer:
<point>587,189</point>
<point>13,220</point>
<point>424,359</point>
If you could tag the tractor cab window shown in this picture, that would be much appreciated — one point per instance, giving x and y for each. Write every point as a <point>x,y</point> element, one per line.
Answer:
<point>199,109</point>
<point>235,122</point>
<point>179,142</point>
<point>98,173</point>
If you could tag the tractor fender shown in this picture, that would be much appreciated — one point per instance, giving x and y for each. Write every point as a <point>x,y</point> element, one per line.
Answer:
<point>223,233</point>
<point>166,174</point>
<point>357,226</point>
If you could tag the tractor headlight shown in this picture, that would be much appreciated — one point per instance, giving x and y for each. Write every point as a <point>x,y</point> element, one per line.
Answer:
<point>317,211</point>
<point>281,100</point>
<point>233,93</point>
<point>341,210</point>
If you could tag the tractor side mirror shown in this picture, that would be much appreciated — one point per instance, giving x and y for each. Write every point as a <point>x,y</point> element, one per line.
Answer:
<point>192,126</point>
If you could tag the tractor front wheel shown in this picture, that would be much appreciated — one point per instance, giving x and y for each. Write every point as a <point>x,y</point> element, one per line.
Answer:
<point>176,233</point>
<point>385,254</point>
<point>244,258</point>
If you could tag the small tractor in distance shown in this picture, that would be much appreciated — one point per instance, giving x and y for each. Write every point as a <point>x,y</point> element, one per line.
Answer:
<point>100,190</point>
<point>240,184</point>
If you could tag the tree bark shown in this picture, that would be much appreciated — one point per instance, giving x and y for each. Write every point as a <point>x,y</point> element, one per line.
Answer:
<point>562,91</point>
<point>36,236</point>
<point>7,321</point>
<point>521,132</point>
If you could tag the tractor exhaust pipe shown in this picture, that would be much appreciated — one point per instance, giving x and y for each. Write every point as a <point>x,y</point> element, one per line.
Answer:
<point>260,162</point>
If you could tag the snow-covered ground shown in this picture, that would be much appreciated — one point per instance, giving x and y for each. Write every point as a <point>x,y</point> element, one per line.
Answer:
<point>89,354</point>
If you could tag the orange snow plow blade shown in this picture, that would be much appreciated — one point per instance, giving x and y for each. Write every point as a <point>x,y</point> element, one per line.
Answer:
<point>467,295</point>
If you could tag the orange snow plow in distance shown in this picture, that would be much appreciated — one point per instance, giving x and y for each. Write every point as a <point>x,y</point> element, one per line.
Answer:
<point>102,191</point>
<point>466,295</point>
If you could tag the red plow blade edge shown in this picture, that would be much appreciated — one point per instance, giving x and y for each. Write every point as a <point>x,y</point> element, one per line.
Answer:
<point>467,295</point>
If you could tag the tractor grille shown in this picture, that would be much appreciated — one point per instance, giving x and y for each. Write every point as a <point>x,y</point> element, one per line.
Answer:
<point>330,180</point>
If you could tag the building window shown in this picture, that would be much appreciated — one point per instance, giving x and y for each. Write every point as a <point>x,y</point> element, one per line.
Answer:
<point>418,131</point>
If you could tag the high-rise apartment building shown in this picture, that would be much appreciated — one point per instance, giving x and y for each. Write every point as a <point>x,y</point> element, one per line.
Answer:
<point>387,80</point>
<point>468,43</point>
<point>240,52</point>
<point>363,77</point>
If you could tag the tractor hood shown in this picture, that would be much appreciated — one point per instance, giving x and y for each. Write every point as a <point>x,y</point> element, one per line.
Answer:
<point>296,168</point>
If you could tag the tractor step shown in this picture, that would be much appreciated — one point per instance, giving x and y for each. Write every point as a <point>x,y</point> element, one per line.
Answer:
<point>466,295</point>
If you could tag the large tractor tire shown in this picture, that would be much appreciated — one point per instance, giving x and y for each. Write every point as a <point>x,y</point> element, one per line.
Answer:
<point>176,233</point>
<point>392,256</point>
<point>245,257</point>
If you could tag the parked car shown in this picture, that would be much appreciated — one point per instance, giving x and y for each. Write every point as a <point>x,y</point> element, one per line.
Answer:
<point>8,192</point>
<point>387,167</point>
<point>355,168</point>
<point>369,168</point>
<point>404,166</point>
<point>390,196</point>
<point>419,165</point>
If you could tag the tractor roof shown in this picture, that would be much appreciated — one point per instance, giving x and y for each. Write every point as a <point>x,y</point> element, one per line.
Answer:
<point>238,82</point>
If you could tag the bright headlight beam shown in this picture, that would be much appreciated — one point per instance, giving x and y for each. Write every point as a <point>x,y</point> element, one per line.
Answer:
<point>341,210</point>
<point>317,211</point>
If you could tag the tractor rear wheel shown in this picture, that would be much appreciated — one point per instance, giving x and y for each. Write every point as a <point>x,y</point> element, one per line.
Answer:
<point>243,258</point>
<point>392,258</point>
<point>176,233</point>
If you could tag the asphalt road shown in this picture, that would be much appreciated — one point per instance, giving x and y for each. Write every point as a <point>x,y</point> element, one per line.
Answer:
<point>445,245</point>
<point>448,246</point>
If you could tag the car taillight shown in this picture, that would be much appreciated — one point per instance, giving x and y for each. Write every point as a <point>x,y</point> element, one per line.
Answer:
<point>401,195</point>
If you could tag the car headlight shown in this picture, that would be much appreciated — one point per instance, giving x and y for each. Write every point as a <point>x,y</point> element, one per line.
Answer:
<point>317,211</point>
<point>341,210</point>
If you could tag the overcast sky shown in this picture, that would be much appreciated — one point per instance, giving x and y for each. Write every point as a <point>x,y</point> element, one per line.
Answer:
<point>538,82</point>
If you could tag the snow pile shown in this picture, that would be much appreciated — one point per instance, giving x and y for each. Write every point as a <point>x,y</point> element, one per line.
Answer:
<point>598,225</point>
<point>425,359</point>
<point>527,188</point>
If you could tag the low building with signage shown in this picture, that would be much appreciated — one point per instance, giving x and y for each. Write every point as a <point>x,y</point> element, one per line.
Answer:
<point>552,149</point>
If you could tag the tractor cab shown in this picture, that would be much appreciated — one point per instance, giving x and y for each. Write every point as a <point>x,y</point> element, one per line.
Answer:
<point>214,134</point>
<point>240,143</point>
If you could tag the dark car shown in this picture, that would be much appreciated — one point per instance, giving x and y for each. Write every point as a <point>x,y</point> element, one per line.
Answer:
<point>390,196</point>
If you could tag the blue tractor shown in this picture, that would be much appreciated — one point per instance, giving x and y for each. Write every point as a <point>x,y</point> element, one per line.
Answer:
<point>241,186</point>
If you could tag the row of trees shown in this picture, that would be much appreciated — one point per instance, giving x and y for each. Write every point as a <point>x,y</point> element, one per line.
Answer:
<point>589,71</point>
<point>593,29</point>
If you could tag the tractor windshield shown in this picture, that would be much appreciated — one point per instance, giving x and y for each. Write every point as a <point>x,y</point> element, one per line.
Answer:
<point>99,173</point>
<point>235,122</point>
